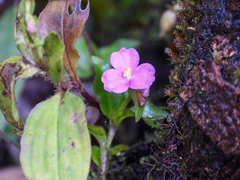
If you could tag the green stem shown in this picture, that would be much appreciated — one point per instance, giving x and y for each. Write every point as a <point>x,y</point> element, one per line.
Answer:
<point>7,138</point>
<point>125,103</point>
<point>105,151</point>
<point>105,148</point>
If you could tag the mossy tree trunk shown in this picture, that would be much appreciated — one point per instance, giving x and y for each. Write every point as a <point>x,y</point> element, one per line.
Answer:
<point>206,82</point>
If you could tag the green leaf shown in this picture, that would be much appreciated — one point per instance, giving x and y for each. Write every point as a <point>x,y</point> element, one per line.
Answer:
<point>137,108</point>
<point>152,113</point>
<point>11,70</point>
<point>7,43</point>
<point>119,148</point>
<point>119,117</point>
<point>26,36</point>
<point>96,155</point>
<point>85,67</point>
<point>110,102</point>
<point>54,50</point>
<point>56,144</point>
<point>105,52</point>
<point>99,133</point>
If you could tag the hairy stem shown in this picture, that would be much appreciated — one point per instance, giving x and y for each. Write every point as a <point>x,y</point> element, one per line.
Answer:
<point>105,152</point>
<point>105,149</point>
<point>90,100</point>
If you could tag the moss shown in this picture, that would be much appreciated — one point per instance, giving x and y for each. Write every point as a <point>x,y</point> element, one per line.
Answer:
<point>207,71</point>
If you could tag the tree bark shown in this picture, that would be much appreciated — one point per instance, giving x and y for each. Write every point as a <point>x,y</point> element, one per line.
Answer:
<point>206,82</point>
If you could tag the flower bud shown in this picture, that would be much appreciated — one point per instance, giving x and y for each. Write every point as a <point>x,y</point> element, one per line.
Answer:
<point>31,24</point>
<point>145,92</point>
<point>141,96</point>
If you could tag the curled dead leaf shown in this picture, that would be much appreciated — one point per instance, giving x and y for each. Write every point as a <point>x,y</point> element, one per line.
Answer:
<point>12,69</point>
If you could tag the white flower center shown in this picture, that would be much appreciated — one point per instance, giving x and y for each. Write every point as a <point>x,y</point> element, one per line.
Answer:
<point>127,73</point>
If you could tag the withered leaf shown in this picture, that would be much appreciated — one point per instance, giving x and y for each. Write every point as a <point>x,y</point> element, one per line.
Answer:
<point>56,17</point>
<point>12,69</point>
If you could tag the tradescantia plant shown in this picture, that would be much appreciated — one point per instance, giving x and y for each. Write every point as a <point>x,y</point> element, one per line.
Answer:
<point>55,140</point>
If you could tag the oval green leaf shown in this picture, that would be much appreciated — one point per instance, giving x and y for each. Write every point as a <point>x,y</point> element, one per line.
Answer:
<point>153,113</point>
<point>119,148</point>
<point>56,144</point>
<point>99,133</point>
<point>96,155</point>
<point>120,116</point>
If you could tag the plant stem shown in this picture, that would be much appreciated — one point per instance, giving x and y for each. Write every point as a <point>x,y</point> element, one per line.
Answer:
<point>105,149</point>
<point>7,138</point>
<point>105,152</point>
<point>90,100</point>
<point>125,103</point>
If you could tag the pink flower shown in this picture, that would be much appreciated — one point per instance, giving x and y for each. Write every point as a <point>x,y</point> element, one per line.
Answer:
<point>127,73</point>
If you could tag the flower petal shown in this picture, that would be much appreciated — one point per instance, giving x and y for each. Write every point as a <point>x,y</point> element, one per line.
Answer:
<point>125,58</point>
<point>142,77</point>
<point>114,81</point>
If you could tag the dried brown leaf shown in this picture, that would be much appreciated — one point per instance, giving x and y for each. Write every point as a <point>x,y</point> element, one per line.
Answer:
<point>56,17</point>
